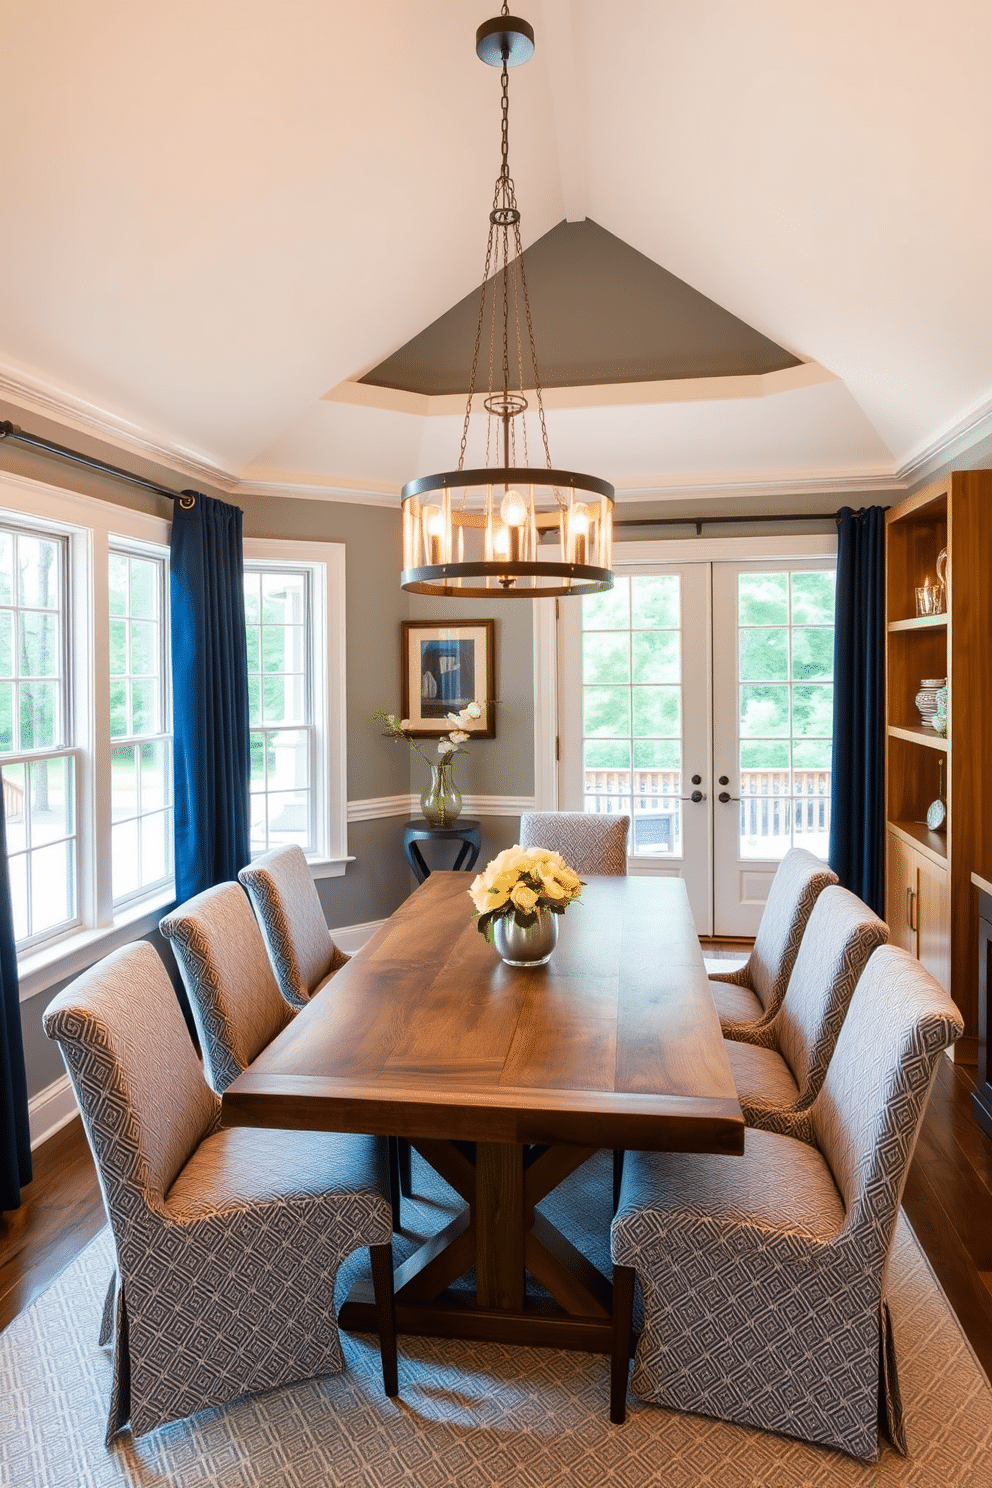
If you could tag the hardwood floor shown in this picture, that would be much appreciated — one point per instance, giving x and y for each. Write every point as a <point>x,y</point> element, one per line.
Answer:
<point>61,1210</point>
<point>948,1199</point>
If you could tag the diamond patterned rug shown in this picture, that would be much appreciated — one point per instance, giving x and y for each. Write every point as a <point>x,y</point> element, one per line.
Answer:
<point>471,1415</point>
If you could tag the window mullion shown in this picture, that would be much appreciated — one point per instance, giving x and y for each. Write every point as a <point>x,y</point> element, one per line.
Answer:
<point>96,759</point>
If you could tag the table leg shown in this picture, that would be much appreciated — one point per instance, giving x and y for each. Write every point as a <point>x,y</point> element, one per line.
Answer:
<point>500,1235</point>
<point>499,1216</point>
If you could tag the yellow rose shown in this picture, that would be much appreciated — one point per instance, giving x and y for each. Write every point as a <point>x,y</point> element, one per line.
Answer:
<point>551,888</point>
<point>523,898</point>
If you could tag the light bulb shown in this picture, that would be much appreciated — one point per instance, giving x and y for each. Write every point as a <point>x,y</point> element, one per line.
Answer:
<point>513,509</point>
<point>433,532</point>
<point>501,542</point>
<point>579,524</point>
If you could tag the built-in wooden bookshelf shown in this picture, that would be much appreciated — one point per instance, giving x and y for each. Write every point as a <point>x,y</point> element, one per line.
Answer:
<point>931,904</point>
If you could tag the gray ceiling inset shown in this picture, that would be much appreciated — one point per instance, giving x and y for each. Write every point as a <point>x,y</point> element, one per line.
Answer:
<point>603,313</point>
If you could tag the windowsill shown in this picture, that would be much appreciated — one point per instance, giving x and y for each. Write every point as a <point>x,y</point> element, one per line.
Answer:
<point>328,867</point>
<point>66,958</point>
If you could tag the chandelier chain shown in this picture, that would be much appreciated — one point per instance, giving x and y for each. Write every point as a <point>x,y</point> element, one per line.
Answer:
<point>533,347</point>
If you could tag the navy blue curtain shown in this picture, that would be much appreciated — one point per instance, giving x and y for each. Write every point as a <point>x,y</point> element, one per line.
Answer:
<point>209,693</point>
<point>857,822</point>
<point>16,1149</point>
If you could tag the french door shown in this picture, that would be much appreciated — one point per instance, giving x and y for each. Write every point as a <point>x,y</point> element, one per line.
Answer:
<point>698,697</point>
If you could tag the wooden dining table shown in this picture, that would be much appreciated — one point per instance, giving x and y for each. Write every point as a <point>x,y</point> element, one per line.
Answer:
<point>506,1080</point>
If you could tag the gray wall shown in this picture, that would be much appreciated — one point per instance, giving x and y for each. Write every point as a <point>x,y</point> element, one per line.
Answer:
<point>378,878</point>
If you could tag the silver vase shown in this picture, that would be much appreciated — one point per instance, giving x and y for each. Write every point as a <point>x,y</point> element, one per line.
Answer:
<point>526,945</point>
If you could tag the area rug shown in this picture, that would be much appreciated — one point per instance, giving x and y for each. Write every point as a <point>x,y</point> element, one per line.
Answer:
<point>471,1415</point>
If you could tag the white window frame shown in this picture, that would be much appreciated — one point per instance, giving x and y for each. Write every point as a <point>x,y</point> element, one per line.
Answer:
<point>90,525</point>
<point>325,564</point>
<point>130,548</point>
<point>67,750</point>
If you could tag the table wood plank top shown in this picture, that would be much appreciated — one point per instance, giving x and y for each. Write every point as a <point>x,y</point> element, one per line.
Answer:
<point>425,1033</point>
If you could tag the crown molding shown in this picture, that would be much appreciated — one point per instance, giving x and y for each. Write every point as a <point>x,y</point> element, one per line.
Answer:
<point>35,396</point>
<point>315,487</point>
<point>826,483</point>
<point>963,434</point>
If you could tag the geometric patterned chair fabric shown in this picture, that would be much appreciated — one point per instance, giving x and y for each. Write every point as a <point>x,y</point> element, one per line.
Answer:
<point>227,1240</point>
<point>287,907</point>
<point>302,952</point>
<point>589,842</point>
<point>763,1276</point>
<point>237,1006</point>
<point>753,994</point>
<point>782,1069</point>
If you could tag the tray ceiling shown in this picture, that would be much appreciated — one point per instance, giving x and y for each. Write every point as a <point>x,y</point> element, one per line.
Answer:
<point>220,221</point>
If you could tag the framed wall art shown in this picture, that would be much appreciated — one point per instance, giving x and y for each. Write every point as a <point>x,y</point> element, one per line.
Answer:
<point>444,668</point>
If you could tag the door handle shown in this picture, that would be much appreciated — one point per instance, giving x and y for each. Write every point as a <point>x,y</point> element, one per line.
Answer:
<point>697,795</point>
<point>913,922</point>
<point>725,796</point>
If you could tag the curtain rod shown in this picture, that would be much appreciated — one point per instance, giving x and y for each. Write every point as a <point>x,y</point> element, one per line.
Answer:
<point>11,431</point>
<point>743,519</point>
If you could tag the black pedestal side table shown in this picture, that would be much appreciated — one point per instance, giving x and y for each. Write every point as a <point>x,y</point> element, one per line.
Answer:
<point>465,831</point>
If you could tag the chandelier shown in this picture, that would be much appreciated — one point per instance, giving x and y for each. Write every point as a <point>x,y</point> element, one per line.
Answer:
<point>485,532</point>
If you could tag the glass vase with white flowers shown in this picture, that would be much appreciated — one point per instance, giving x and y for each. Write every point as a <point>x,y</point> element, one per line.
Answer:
<point>441,801</point>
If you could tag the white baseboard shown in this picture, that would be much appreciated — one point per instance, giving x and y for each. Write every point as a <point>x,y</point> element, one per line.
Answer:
<point>351,938</point>
<point>50,1110</point>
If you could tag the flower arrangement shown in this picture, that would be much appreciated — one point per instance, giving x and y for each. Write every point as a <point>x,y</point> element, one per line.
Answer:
<point>519,882</point>
<point>448,746</point>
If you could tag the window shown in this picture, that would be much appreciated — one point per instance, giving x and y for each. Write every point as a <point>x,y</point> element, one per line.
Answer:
<point>278,617</point>
<point>785,665</point>
<point>85,750</point>
<point>85,718</point>
<point>39,785</point>
<point>294,614</point>
<point>141,742</point>
<point>632,708</point>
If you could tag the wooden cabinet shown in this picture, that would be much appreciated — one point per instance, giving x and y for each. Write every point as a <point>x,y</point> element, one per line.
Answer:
<point>930,901</point>
<point>918,906</point>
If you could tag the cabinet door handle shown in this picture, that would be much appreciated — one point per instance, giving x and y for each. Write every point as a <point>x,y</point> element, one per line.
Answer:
<point>913,925</point>
<point>909,906</point>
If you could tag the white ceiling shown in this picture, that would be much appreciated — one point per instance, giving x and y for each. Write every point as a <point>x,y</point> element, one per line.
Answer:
<point>215,217</point>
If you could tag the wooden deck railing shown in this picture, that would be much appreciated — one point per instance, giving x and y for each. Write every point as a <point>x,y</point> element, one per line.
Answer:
<point>774,803</point>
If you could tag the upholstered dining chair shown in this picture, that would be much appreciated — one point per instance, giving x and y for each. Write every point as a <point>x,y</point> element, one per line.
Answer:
<point>228,1239</point>
<point>589,842</point>
<point>782,1069</point>
<point>751,995</point>
<point>301,949</point>
<point>763,1276</point>
<point>300,946</point>
<point>237,1006</point>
